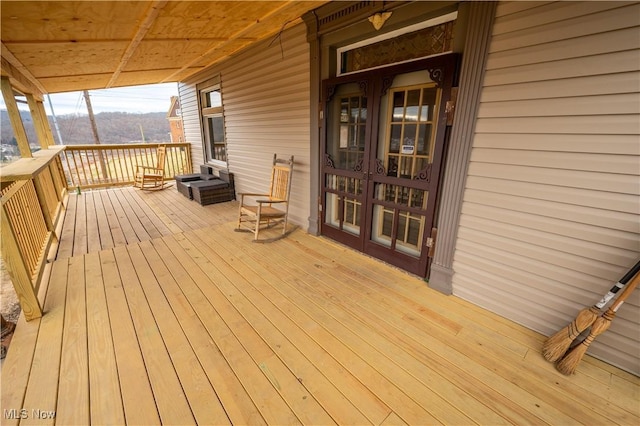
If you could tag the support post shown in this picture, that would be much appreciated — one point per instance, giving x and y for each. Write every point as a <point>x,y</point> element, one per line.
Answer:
<point>94,129</point>
<point>14,117</point>
<point>39,121</point>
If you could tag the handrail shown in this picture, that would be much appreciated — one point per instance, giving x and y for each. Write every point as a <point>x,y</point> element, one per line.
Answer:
<point>95,166</point>
<point>32,199</point>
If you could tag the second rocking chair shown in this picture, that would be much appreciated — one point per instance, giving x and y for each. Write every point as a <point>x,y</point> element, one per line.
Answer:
<point>152,177</point>
<point>260,211</point>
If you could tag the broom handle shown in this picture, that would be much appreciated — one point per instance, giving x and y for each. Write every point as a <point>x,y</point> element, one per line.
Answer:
<point>620,284</point>
<point>625,293</point>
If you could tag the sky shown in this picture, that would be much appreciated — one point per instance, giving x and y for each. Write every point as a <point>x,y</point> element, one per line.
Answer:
<point>135,99</point>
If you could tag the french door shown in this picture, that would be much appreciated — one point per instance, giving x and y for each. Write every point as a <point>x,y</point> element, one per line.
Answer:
<point>383,136</point>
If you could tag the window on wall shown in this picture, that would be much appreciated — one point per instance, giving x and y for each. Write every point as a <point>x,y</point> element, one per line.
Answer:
<point>215,145</point>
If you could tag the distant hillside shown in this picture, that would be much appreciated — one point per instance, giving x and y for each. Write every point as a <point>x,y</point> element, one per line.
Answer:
<point>113,127</point>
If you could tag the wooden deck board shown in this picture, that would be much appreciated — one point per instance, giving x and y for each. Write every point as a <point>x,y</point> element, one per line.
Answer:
<point>80,245</point>
<point>135,388</point>
<point>73,384</point>
<point>103,373</point>
<point>307,409</point>
<point>178,319</point>
<point>353,313</point>
<point>168,394</point>
<point>194,382</point>
<point>104,232</point>
<point>117,234</point>
<point>189,300</point>
<point>65,246</point>
<point>376,350</point>
<point>490,346</point>
<point>42,389</point>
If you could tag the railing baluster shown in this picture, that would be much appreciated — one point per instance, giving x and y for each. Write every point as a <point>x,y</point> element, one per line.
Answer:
<point>120,178</point>
<point>100,178</point>
<point>68,162</point>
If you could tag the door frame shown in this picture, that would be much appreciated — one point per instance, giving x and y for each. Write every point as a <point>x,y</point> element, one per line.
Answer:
<point>374,84</point>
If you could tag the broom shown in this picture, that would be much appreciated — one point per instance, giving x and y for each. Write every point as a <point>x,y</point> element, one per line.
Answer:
<point>569,363</point>
<point>555,346</point>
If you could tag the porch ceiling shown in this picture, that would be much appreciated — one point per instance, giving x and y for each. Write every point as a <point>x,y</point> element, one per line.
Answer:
<point>60,46</point>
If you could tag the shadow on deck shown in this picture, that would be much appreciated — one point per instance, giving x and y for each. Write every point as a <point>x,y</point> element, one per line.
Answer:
<point>156,311</point>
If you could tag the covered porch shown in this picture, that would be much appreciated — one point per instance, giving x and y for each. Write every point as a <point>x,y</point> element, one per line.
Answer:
<point>156,311</point>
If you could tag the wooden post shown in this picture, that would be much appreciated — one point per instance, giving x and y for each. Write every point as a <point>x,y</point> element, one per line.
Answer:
<point>94,128</point>
<point>39,121</point>
<point>14,117</point>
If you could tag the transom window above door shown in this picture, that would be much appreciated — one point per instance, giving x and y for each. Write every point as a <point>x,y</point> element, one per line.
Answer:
<point>422,40</point>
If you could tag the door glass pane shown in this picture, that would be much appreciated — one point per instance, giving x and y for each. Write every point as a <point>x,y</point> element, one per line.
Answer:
<point>343,205</point>
<point>382,225</point>
<point>410,129</point>
<point>346,127</point>
<point>413,105</point>
<point>396,135</point>
<point>410,228</point>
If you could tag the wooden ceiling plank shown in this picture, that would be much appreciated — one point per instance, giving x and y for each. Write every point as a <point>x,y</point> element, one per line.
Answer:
<point>231,39</point>
<point>149,19</point>
<point>18,72</point>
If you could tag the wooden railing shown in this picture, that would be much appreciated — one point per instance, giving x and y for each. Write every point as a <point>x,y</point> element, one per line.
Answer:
<point>33,194</point>
<point>95,166</point>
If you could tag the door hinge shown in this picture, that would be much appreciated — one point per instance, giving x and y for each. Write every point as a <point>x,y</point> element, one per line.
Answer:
<point>431,241</point>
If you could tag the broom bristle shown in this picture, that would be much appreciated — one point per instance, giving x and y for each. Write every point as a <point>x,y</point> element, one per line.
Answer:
<point>569,363</point>
<point>555,346</point>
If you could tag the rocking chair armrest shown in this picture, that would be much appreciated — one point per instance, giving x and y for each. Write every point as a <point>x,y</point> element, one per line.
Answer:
<point>138,167</point>
<point>270,201</point>
<point>250,194</point>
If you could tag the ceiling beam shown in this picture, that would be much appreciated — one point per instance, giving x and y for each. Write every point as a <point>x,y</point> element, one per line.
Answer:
<point>144,27</point>
<point>20,76</point>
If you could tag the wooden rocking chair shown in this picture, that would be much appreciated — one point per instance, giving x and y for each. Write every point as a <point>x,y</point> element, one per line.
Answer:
<point>149,177</point>
<point>261,209</point>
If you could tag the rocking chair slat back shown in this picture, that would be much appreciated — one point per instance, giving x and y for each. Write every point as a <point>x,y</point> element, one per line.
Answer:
<point>280,182</point>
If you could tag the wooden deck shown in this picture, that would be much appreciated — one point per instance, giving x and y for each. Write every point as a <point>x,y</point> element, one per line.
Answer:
<point>157,312</point>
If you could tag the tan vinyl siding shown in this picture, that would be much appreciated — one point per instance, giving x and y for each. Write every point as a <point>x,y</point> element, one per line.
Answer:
<point>551,211</point>
<point>266,98</point>
<point>191,122</point>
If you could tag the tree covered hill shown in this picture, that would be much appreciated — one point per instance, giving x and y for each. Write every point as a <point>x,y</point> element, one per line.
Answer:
<point>113,127</point>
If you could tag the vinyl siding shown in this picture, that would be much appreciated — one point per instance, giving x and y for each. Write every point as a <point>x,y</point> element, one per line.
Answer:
<point>266,97</point>
<point>551,208</point>
<point>191,122</point>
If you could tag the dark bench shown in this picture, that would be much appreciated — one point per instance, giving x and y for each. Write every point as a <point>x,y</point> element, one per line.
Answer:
<point>205,187</point>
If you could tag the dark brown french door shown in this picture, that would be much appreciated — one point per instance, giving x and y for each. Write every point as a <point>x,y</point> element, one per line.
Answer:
<point>384,133</point>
